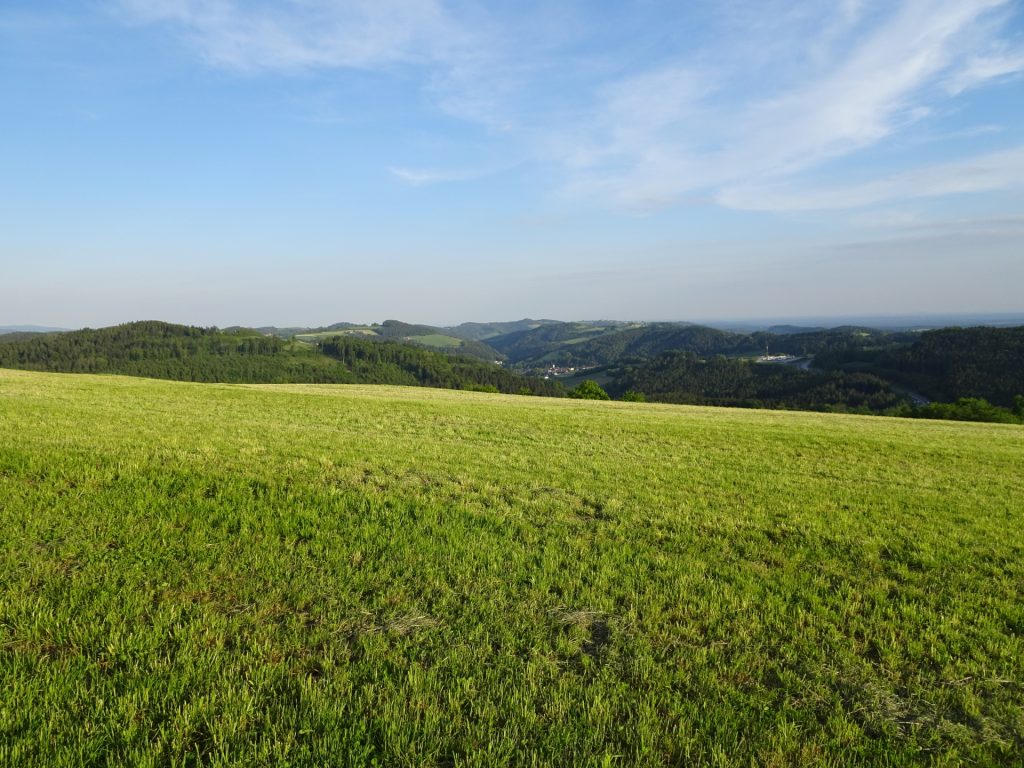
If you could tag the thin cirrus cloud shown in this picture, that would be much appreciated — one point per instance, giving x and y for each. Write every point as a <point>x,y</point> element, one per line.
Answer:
<point>418,177</point>
<point>983,173</point>
<point>269,36</point>
<point>880,84</point>
<point>982,69</point>
<point>770,95</point>
<point>466,67</point>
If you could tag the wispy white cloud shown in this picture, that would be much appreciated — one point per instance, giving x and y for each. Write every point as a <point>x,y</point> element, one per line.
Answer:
<point>916,225</point>
<point>419,177</point>
<point>638,116</point>
<point>877,84</point>
<point>982,69</point>
<point>781,90</point>
<point>305,34</point>
<point>470,61</point>
<point>983,173</point>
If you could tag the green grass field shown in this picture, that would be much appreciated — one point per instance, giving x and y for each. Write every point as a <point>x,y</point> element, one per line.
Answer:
<point>438,340</point>
<point>342,575</point>
<point>321,335</point>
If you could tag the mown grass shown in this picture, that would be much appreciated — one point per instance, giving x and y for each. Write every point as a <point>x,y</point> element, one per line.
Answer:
<point>317,575</point>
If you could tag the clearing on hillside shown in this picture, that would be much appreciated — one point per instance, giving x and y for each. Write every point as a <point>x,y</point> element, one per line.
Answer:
<point>199,574</point>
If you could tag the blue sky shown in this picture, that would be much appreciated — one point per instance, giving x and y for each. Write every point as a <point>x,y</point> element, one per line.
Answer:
<point>306,161</point>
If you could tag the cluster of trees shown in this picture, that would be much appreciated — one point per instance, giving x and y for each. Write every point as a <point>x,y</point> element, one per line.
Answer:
<point>967,409</point>
<point>393,363</point>
<point>589,390</point>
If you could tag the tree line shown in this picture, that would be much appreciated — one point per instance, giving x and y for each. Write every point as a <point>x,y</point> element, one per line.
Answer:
<point>188,353</point>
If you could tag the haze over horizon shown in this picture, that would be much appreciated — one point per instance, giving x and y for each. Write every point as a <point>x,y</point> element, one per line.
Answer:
<point>302,163</point>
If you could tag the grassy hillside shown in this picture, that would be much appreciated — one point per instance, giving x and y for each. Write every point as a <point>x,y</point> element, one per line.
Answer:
<point>336,575</point>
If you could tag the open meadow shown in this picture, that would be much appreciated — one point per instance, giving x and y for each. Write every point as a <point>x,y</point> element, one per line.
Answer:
<point>313,575</point>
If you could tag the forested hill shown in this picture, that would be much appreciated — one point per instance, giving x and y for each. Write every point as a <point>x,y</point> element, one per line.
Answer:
<point>484,331</point>
<point>428,336</point>
<point>966,362</point>
<point>651,340</point>
<point>185,353</point>
<point>852,369</point>
<point>550,343</point>
<point>947,364</point>
<point>8,336</point>
<point>591,344</point>
<point>683,377</point>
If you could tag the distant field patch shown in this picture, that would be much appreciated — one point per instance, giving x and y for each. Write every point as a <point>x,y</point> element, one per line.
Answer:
<point>341,332</point>
<point>437,340</point>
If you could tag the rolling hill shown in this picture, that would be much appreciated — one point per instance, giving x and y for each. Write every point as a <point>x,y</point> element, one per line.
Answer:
<point>647,341</point>
<point>588,345</point>
<point>9,336</point>
<point>484,331</point>
<point>536,346</point>
<point>420,335</point>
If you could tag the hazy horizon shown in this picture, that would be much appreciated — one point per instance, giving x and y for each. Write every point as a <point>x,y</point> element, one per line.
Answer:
<point>255,163</point>
<point>726,323</point>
